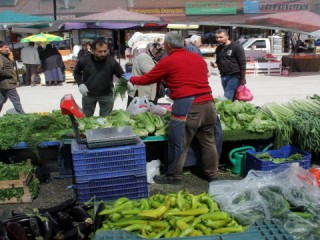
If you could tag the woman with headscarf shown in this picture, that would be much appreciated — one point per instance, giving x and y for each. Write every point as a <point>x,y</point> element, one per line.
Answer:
<point>52,65</point>
<point>142,64</point>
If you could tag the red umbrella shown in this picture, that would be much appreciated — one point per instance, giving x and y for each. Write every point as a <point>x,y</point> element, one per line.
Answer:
<point>304,20</point>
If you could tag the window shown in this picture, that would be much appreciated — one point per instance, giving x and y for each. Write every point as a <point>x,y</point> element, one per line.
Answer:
<point>260,44</point>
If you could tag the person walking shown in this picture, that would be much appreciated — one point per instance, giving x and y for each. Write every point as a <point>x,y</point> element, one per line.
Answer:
<point>84,50</point>
<point>30,58</point>
<point>8,80</point>
<point>193,112</point>
<point>52,65</point>
<point>94,76</point>
<point>231,62</point>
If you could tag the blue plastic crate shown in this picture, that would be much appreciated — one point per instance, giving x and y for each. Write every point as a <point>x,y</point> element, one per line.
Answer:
<point>110,189</point>
<point>252,162</point>
<point>260,230</point>
<point>100,163</point>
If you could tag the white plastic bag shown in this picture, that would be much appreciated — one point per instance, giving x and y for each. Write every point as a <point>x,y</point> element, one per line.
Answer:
<point>153,169</point>
<point>138,105</point>
<point>157,109</point>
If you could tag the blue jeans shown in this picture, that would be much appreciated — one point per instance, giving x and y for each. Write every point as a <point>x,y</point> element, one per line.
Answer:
<point>230,83</point>
<point>89,105</point>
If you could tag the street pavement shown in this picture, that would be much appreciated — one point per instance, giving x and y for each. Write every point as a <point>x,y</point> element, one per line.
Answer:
<point>264,88</point>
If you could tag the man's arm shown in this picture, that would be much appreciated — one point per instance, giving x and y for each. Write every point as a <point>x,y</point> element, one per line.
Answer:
<point>241,59</point>
<point>3,72</point>
<point>77,73</point>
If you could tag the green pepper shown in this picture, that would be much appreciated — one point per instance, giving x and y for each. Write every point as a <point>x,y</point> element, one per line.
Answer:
<point>129,222</point>
<point>193,212</point>
<point>215,224</point>
<point>115,217</point>
<point>204,229</point>
<point>176,232</point>
<point>126,205</point>
<point>186,232</point>
<point>144,204</point>
<point>228,230</point>
<point>303,214</point>
<point>134,227</point>
<point>156,213</point>
<point>120,201</point>
<point>161,233</point>
<point>168,234</point>
<point>212,205</point>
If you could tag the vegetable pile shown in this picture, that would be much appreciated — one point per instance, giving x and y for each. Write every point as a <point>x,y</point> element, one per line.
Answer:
<point>179,214</point>
<point>297,122</point>
<point>11,172</point>
<point>267,157</point>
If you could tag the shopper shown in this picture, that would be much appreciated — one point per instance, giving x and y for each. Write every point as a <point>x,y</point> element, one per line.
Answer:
<point>30,58</point>
<point>52,65</point>
<point>94,75</point>
<point>231,62</point>
<point>8,79</point>
<point>193,112</point>
<point>142,64</point>
<point>85,50</point>
<point>194,44</point>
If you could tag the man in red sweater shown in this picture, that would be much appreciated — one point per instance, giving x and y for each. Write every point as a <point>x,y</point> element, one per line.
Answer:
<point>193,111</point>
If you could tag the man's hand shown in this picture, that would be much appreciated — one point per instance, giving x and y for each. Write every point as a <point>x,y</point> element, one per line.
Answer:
<point>243,81</point>
<point>127,76</point>
<point>214,65</point>
<point>83,89</point>
<point>130,86</point>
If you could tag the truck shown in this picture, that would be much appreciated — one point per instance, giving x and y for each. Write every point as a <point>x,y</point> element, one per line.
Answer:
<point>270,45</point>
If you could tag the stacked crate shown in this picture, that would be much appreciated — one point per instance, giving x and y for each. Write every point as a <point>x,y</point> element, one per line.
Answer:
<point>109,173</point>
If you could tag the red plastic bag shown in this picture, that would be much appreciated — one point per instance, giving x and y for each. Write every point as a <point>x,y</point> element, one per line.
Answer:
<point>243,94</point>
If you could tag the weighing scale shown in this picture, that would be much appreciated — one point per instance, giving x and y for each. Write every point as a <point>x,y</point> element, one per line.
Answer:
<point>96,138</point>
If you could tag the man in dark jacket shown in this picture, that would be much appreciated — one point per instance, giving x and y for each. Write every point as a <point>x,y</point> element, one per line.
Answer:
<point>8,80</point>
<point>231,62</point>
<point>94,75</point>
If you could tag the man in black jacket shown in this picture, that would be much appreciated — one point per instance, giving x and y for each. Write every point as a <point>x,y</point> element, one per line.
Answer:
<point>231,62</point>
<point>94,75</point>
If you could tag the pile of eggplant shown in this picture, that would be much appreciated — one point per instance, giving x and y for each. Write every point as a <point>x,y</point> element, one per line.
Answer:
<point>68,220</point>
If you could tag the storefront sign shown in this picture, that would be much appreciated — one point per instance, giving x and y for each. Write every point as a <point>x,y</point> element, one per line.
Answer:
<point>211,8</point>
<point>159,11</point>
<point>258,6</point>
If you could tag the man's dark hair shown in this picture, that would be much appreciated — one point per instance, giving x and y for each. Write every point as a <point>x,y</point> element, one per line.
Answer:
<point>222,30</point>
<point>98,42</point>
<point>31,44</point>
<point>3,43</point>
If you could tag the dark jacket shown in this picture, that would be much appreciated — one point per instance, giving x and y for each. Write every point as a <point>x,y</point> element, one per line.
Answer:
<point>52,62</point>
<point>8,76</point>
<point>231,59</point>
<point>97,76</point>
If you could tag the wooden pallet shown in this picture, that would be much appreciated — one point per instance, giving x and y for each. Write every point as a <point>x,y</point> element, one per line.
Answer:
<point>69,77</point>
<point>23,183</point>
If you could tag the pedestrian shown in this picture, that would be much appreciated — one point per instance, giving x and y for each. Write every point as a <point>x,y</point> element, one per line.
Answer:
<point>194,44</point>
<point>52,66</point>
<point>231,62</point>
<point>85,50</point>
<point>193,112</point>
<point>94,76</point>
<point>8,80</point>
<point>142,64</point>
<point>30,58</point>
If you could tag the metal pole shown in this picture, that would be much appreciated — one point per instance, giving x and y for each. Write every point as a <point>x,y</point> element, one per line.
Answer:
<point>55,9</point>
<point>13,57</point>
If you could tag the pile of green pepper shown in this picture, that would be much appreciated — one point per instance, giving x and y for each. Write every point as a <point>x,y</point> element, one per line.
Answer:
<point>179,214</point>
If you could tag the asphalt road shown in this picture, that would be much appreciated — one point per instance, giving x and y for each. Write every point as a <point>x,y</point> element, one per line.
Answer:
<point>265,89</point>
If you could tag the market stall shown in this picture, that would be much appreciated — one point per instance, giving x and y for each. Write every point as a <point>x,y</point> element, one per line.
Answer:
<point>305,63</point>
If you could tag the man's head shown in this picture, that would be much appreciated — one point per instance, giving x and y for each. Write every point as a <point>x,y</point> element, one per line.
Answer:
<point>173,40</point>
<point>99,48</point>
<point>31,44</point>
<point>4,48</point>
<point>84,46</point>
<point>153,48</point>
<point>222,36</point>
<point>196,40</point>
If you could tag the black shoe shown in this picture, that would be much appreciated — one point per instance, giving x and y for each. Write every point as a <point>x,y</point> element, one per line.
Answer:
<point>212,179</point>
<point>164,179</point>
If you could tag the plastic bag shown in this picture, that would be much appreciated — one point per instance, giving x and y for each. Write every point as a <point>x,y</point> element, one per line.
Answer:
<point>138,105</point>
<point>153,169</point>
<point>157,109</point>
<point>243,94</point>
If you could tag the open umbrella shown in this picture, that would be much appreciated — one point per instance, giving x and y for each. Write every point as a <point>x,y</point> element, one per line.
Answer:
<point>42,37</point>
<point>303,21</point>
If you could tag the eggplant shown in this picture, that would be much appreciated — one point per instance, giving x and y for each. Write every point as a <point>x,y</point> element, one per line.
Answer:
<point>34,227</point>
<point>98,219</point>
<point>80,231</point>
<point>80,215</point>
<point>47,229</point>
<point>67,204</point>
<point>16,231</point>
<point>65,220</point>
<point>3,232</point>
<point>18,218</point>
<point>53,223</point>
